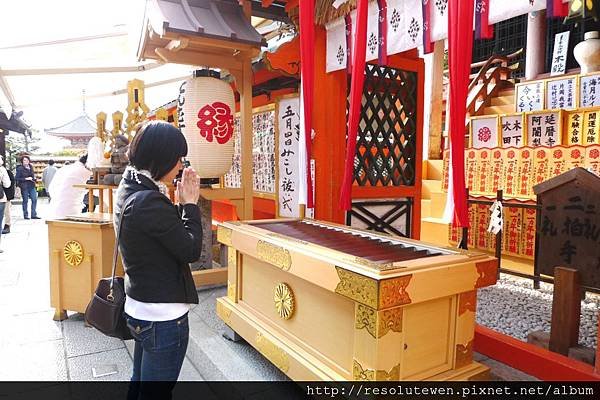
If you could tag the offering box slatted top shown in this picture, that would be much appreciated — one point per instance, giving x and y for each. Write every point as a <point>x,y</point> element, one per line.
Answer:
<point>360,244</point>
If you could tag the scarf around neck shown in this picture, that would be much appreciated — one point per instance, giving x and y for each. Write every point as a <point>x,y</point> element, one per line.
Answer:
<point>134,172</point>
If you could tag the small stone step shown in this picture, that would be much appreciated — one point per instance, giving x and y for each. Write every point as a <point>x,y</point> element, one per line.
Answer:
<point>434,169</point>
<point>430,186</point>
<point>425,208</point>
<point>503,100</point>
<point>497,110</point>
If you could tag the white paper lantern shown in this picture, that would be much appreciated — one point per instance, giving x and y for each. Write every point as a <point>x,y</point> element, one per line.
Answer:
<point>206,107</point>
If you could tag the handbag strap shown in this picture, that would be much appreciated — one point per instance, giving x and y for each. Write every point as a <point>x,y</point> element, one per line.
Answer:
<point>116,249</point>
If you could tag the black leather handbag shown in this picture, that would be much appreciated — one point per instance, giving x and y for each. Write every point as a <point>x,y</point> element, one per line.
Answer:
<point>105,311</point>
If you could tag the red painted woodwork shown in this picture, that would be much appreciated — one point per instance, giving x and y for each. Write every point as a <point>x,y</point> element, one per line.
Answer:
<point>532,360</point>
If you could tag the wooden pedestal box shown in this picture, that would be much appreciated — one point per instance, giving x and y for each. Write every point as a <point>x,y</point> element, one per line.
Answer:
<point>300,293</point>
<point>80,254</point>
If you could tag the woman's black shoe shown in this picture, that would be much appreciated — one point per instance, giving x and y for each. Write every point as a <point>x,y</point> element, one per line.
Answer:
<point>6,229</point>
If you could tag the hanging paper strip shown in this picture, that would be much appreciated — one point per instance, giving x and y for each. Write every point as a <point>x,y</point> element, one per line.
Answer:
<point>501,10</point>
<point>497,181</point>
<point>471,170</point>
<point>525,173</point>
<point>511,168</point>
<point>349,33</point>
<point>337,57</point>
<point>511,235</point>
<point>541,166</point>
<point>307,58</point>
<point>483,29</point>
<point>558,162</point>
<point>556,9</point>
<point>592,159</point>
<point>576,157</point>
<point>382,26</point>
<point>356,90</point>
<point>426,12</point>
<point>472,238</point>
<point>460,43</point>
<point>439,19</point>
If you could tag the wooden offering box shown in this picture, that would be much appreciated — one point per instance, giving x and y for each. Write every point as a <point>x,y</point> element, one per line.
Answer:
<point>327,302</point>
<point>80,254</point>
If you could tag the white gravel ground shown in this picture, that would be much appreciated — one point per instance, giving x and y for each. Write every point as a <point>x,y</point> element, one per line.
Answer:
<point>515,308</point>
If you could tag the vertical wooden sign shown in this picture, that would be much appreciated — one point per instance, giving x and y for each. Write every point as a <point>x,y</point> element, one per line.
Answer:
<point>558,161</point>
<point>561,93</point>
<point>484,170</point>
<point>574,128</point>
<point>525,173</point>
<point>471,169</point>
<point>528,237</point>
<point>541,167</point>
<point>484,132</point>
<point>591,128</point>
<point>589,90</point>
<point>498,175</point>
<point>592,159</point>
<point>511,169</point>
<point>530,96</point>
<point>511,235</point>
<point>575,157</point>
<point>544,129</point>
<point>511,128</point>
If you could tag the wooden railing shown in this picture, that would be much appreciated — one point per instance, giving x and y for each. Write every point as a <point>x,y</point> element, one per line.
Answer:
<point>493,76</point>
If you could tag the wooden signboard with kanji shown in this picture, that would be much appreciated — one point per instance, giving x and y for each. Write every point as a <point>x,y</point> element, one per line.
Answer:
<point>591,128</point>
<point>589,90</point>
<point>511,128</point>
<point>544,128</point>
<point>561,93</point>
<point>574,127</point>
<point>569,233</point>
<point>530,96</point>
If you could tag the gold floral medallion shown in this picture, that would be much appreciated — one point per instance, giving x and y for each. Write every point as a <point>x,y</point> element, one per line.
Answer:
<point>73,253</point>
<point>284,301</point>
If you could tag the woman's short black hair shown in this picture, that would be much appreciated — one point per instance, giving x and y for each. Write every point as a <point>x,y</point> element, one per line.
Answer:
<point>157,147</point>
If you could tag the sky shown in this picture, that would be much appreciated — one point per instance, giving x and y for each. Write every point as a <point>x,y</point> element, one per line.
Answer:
<point>50,100</point>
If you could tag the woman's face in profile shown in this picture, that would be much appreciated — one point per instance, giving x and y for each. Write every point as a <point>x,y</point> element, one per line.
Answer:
<point>172,174</point>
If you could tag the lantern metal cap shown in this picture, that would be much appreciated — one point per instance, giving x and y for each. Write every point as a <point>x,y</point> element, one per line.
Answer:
<point>207,73</point>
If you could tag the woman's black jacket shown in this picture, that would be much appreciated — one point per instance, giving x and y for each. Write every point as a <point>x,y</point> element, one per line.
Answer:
<point>157,242</point>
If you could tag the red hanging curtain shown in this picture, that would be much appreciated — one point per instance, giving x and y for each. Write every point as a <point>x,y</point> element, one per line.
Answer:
<point>460,43</point>
<point>307,68</point>
<point>356,89</point>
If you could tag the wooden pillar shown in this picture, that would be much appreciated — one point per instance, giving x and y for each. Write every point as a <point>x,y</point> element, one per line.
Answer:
<point>535,56</point>
<point>246,130</point>
<point>566,310</point>
<point>437,102</point>
<point>329,145</point>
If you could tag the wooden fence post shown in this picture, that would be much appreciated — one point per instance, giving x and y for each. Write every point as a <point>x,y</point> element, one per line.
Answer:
<point>566,310</point>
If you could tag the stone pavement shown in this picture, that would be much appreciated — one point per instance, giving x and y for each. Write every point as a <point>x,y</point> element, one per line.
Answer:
<point>34,347</point>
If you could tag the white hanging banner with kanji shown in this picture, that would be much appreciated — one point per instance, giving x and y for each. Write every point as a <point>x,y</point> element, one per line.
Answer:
<point>405,25</point>
<point>501,10</point>
<point>496,220</point>
<point>484,132</point>
<point>288,131</point>
<point>336,45</point>
<point>439,19</point>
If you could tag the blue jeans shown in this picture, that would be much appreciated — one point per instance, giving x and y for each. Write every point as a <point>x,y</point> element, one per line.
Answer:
<point>158,356</point>
<point>29,194</point>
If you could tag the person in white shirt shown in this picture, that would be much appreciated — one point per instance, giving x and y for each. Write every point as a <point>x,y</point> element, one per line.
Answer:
<point>65,199</point>
<point>4,183</point>
<point>48,175</point>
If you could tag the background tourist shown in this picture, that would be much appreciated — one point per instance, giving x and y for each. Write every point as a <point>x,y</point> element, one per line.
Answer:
<point>26,182</point>
<point>47,176</point>
<point>4,184</point>
<point>10,194</point>
<point>158,241</point>
<point>65,199</point>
